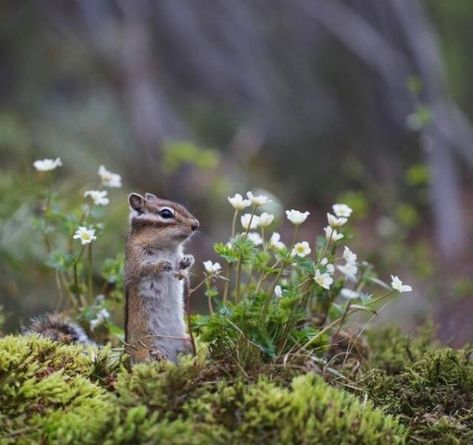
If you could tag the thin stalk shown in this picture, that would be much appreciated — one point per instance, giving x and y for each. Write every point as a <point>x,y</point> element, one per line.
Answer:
<point>329,239</point>
<point>90,274</point>
<point>264,276</point>
<point>226,287</point>
<point>211,309</point>
<point>76,278</point>
<point>238,280</point>
<point>189,292</point>
<point>234,222</point>
<point>270,294</point>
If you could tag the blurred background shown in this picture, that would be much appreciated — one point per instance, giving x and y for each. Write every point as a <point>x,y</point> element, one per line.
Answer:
<point>365,102</point>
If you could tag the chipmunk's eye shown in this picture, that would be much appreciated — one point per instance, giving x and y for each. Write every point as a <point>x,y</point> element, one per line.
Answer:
<point>166,213</point>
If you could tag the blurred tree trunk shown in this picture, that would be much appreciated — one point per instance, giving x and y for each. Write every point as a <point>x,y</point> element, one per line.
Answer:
<point>411,50</point>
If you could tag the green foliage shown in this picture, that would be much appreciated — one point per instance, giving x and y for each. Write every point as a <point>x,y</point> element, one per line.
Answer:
<point>62,221</point>
<point>429,387</point>
<point>51,393</point>
<point>179,153</point>
<point>277,300</point>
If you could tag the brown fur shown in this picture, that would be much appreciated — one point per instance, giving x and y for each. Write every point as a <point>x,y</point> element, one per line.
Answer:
<point>154,249</point>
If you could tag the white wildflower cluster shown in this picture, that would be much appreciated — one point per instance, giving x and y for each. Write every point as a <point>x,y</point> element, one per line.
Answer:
<point>239,203</point>
<point>325,271</point>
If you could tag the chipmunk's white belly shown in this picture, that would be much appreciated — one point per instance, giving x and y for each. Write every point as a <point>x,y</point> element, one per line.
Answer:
<point>163,297</point>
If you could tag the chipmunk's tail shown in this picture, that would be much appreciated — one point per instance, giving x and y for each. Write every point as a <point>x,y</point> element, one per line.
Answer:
<point>58,328</point>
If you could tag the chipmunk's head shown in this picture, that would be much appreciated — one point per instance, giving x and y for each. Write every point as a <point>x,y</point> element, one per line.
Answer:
<point>167,222</point>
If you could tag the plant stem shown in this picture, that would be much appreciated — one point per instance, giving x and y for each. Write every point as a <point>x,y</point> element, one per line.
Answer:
<point>325,249</point>
<point>76,279</point>
<point>269,297</point>
<point>90,274</point>
<point>188,291</point>
<point>211,309</point>
<point>227,282</point>
<point>238,280</point>
<point>234,222</point>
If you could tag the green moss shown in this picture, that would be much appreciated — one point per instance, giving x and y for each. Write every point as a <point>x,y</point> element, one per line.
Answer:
<point>428,387</point>
<point>50,393</point>
<point>393,350</point>
<point>309,411</point>
<point>46,393</point>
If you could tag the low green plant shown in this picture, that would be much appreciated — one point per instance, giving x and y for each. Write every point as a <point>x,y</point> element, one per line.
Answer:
<point>70,227</point>
<point>272,300</point>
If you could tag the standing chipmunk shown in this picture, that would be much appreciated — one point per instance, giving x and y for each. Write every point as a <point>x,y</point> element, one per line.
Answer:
<point>154,270</point>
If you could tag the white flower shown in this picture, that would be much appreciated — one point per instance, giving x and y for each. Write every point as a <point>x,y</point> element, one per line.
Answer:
<point>296,217</point>
<point>249,221</point>
<point>85,235</point>
<point>109,179</point>
<point>259,200</point>
<point>46,165</point>
<point>330,267</point>
<point>342,210</point>
<point>349,270</point>
<point>332,234</point>
<point>349,256</point>
<point>275,242</point>
<point>265,219</point>
<point>102,315</point>
<point>349,294</point>
<point>99,197</point>
<point>255,238</point>
<point>212,268</point>
<point>278,291</point>
<point>323,279</point>
<point>334,221</point>
<point>396,284</point>
<point>237,202</point>
<point>301,249</point>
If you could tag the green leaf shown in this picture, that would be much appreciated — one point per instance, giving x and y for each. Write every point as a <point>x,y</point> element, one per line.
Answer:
<point>60,260</point>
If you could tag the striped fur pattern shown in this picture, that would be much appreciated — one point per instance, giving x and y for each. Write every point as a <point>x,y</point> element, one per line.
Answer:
<point>58,328</point>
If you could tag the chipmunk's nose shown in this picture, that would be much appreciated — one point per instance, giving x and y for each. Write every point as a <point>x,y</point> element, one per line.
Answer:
<point>195,225</point>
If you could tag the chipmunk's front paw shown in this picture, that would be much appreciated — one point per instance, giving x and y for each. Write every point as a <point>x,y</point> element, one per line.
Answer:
<point>165,266</point>
<point>186,262</point>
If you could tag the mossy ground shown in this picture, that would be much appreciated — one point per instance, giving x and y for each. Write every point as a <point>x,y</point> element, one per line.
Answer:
<point>51,393</point>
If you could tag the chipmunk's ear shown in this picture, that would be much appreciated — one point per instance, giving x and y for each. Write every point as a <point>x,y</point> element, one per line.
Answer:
<point>151,197</point>
<point>136,201</point>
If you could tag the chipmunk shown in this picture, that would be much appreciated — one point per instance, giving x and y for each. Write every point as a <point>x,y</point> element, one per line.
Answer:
<point>155,266</point>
